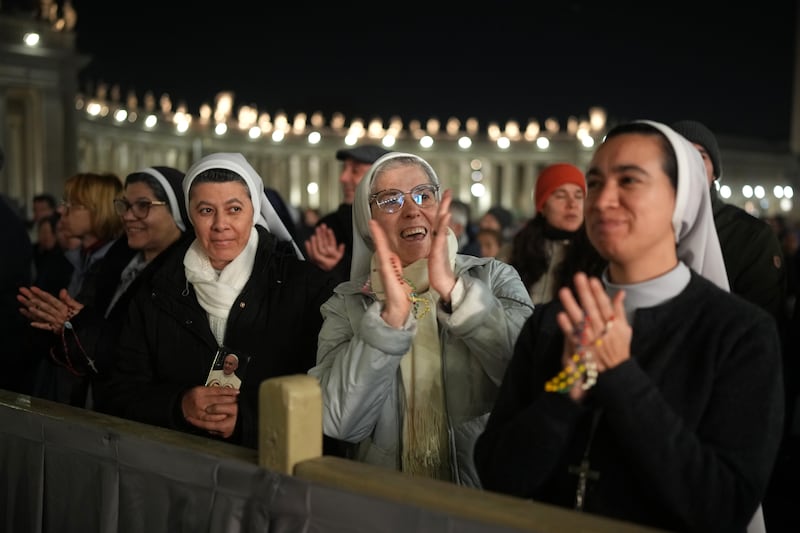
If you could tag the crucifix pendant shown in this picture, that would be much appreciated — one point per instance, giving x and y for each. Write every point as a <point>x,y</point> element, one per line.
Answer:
<point>584,474</point>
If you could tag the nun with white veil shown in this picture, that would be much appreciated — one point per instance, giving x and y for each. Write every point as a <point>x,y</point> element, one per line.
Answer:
<point>652,395</point>
<point>240,287</point>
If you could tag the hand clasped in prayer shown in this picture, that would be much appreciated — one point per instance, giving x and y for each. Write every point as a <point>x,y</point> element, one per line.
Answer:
<point>597,336</point>
<point>44,310</point>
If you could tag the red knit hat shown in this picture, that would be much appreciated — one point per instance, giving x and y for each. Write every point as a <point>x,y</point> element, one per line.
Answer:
<point>553,177</point>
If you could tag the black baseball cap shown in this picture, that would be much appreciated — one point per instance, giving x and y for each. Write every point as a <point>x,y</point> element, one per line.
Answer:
<point>367,153</point>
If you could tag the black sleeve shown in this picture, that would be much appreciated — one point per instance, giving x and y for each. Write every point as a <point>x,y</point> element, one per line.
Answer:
<point>528,429</point>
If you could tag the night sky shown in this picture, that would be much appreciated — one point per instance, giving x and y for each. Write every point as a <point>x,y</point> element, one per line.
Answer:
<point>731,68</point>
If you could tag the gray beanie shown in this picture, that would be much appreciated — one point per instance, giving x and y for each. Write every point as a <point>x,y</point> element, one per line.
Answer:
<point>698,133</point>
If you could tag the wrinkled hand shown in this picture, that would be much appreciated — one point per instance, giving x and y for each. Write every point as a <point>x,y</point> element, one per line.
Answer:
<point>213,409</point>
<point>604,327</point>
<point>322,249</point>
<point>398,291</point>
<point>440,272</point>
<point>44,310</point>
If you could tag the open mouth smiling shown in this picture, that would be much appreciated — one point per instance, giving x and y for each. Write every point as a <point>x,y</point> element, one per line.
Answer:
<point>416,233</point>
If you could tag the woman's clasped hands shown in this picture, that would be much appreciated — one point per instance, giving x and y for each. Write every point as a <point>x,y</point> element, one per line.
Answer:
<point>44,310</point>
<point>597,335</point>
<point>213,409</point>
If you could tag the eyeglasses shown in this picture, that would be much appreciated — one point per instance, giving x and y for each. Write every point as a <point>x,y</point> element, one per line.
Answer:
<point>139,208</point>
<point>392,200</point>
<point>67,206</point>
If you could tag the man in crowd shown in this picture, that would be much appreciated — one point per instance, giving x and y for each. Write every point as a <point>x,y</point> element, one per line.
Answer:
<point>331,245</point>
<point>756,271</point>
<point>752,253</point>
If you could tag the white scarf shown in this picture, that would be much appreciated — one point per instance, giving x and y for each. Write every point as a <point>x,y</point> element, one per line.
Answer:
<point>424,440</point>
<point>216,292</point>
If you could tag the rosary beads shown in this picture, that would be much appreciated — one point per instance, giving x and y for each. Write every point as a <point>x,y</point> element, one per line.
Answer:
<point>420,305</point>
<point>581,368</point>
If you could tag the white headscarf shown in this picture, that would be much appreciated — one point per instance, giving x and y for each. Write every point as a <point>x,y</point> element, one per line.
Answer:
<point>264,213</point>
<point>693,219</point>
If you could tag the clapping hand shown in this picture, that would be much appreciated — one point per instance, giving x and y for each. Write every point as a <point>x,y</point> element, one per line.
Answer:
<point>398,291</point>
<point>322,249</point>
<point>596,325</point>
<point>440,272</point>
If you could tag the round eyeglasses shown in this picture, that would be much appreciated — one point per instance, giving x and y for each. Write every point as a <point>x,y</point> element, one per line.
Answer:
<point>392,200</point>
<point>69,206</point>
<point>139,208</point>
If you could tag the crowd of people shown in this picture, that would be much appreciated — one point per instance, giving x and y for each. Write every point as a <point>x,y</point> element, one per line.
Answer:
<point>626,348</point>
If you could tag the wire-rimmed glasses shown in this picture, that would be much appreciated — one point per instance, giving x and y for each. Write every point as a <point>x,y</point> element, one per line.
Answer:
<point>392,200</point>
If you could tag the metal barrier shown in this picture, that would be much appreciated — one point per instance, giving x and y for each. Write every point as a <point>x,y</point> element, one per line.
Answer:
<point>67,469</point>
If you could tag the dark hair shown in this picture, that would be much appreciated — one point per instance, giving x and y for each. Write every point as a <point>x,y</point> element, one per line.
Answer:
<point>581,256</point>
<point>51,220</point>
<point>46,197</point>
<point>494,233</point>
<point>670,162</point>
<point>150,181</point>
<point>529,255</point>
<point>219,175</point>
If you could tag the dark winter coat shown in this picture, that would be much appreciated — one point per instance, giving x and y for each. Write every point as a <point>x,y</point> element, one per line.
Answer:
<point>753,257</point>
<point>689,426</point>
<point>341,222</point>
<point>91,337</point>
<point>97,333</point>
<point>167,347</point>
<point>15,272</point>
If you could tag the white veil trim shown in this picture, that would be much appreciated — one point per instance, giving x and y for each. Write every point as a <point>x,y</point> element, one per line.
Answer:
<point>693,218</point>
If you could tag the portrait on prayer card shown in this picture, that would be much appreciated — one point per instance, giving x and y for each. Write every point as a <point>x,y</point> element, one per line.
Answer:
<point>227,370</point>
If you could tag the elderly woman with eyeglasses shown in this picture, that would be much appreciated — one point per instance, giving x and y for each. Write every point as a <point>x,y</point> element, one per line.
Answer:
<point>242,287</point>
<point>413,348</point>
<point>151,211</point>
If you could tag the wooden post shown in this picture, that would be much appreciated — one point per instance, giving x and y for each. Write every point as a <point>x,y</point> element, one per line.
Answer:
<point>290,422</point>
